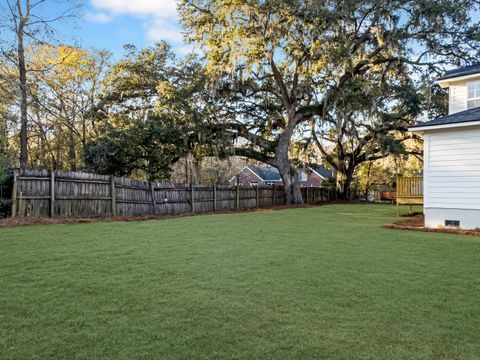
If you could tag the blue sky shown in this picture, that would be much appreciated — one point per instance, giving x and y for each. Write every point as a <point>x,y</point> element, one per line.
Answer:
<point>109,24</point>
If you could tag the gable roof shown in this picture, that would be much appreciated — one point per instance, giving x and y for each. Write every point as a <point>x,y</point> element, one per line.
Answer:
<point>266,173</point>
<point>464,71</point>
<point>462,117</point>
<point>322,171</point>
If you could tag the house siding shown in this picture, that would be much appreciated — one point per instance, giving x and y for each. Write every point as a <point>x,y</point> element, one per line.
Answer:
<point>246,176</point>
<point>458,94</point>
<point>452,177</point>
<point>313,180</point>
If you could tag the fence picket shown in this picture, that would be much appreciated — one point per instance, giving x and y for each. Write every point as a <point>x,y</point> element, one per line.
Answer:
<point>42,193</point>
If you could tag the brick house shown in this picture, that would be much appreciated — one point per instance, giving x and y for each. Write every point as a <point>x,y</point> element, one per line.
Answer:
<point>311,176</point>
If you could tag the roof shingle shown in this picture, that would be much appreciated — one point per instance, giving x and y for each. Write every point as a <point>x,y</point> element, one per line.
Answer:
<point>466,116</point>
<point>322,171</point>
<point>266,173</point>
<point>467,70</point>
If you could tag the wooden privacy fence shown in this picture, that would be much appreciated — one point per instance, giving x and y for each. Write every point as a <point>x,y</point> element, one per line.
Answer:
<point>41,193</point>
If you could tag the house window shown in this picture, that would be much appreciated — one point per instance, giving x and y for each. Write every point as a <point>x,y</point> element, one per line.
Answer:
<point>303,176</point>
<point>473,98</point>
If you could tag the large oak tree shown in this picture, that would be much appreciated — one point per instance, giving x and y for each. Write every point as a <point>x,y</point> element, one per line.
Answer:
<point>285,64</point>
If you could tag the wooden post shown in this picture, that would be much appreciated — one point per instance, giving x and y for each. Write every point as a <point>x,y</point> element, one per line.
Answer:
<point>214,197</point>
<point>306,195</point>
<point>257,197</point>
<point>192,197</point>
<point>273,195</point>
<point>14,193</point>
<point>52,193</point>
<point>154,203</point>
<point>113,196</point>
<point>21,209</point>
<point>237,202</point>
<point>314,195</point>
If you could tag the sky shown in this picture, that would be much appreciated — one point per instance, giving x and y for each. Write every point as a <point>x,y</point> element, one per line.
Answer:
<point>110,24</point>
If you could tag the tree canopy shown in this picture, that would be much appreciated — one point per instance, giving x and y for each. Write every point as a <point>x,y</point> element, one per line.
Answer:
<point>288,63</point>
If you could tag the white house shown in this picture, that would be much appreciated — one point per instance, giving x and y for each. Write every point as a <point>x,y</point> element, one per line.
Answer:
<point>452,154</point>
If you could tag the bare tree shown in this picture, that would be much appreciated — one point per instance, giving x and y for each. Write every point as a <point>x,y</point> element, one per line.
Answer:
<point>25,25</point>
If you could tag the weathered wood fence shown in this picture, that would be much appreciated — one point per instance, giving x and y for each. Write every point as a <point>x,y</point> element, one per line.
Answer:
<point>42,193</point>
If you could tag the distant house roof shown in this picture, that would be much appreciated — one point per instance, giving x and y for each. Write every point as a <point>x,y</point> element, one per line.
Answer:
<point>322,171</point>
<point>462,117</point>
<point>266,173</point>
<point>464,71</point>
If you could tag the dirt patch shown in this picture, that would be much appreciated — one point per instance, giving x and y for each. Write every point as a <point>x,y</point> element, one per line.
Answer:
<point>417,223</point>
<point>29,221</point>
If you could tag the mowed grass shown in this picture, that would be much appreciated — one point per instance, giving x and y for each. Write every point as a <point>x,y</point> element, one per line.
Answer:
<point>312,283</point>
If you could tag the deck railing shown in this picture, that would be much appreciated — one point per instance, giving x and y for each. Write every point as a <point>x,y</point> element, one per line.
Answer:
<point>410,186</point>
<point>409,191</point>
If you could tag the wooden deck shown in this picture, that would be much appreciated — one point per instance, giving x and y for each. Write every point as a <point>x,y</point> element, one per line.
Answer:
<point>409,191</point>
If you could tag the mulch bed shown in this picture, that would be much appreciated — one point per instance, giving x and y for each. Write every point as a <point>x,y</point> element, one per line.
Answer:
<point>29,221</point>
<point>417,223</point>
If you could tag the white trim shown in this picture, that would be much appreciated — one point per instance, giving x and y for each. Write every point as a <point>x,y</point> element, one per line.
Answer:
<point>446,82</point>
<point>426,169</point>
<point>445,126</point>
<point>313,170</point>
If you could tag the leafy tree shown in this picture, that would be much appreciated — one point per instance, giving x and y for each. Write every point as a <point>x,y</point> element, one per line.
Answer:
<point>62,97</point>
<point>150,147</point>
<point>366,123</point>
<point>157,110</point>
<point>285,64</point>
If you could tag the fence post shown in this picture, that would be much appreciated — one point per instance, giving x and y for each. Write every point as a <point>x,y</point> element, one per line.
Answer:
<point>257,197</point>
<point>192,197</point>
<point>214,197</point>
<point>273,195</point>
<point>14,192</point>
<point>306,195</point>
<point>314,196</point>
<point>154,203</point>
<point>113,196</point>
<point>52,193</point>
<point>237,197</point>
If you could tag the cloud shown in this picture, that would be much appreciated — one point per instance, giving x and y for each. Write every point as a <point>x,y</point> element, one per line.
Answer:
<point>160,18</point>
<point>98,17</point>
<point>159,8</point>
<point>163,29</point>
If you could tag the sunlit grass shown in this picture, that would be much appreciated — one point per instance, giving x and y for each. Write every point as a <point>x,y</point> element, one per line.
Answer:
<point>313,283</point>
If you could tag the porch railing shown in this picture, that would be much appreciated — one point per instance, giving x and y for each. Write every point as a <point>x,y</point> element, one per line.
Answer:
<point>409,191</point>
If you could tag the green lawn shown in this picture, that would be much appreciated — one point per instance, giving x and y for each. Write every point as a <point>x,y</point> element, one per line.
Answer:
<point>312,283</point>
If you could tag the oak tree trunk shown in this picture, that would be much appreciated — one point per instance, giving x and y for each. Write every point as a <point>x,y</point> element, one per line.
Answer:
<point>291,186</point>
<point>344,184</point>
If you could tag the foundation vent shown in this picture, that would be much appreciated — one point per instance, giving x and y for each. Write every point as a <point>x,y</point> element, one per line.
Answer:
<point>452,223</point>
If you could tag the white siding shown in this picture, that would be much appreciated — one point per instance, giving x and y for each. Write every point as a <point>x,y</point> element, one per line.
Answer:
<point>457,97</point>
<point>452,169</point>
<point>452,177</point>
<point>469,219</point>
